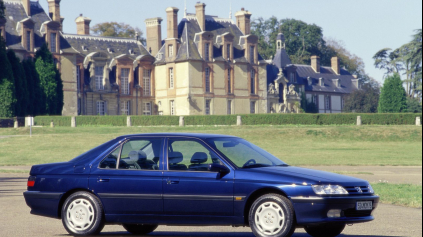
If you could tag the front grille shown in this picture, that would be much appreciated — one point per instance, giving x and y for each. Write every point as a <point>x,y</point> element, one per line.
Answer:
<point>355,213</point>
<point>353,190</point>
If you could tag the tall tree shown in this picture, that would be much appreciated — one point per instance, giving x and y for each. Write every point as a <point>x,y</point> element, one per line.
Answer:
<point>302,40</point>
<point>115,29</point>
<point>34,91</point>
<point>7,88</point>
<point>2,8</point>
<point>393,98</point>
<point>20,82</point>
<point>365,100</point>
<point>49,82</point>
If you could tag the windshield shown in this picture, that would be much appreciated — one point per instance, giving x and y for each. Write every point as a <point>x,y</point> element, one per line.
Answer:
<point>244,154</point>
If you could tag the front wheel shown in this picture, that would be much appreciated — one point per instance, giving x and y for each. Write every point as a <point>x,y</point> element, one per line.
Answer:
<point>82,214</point>
<point>272,215</point>
<point>140,229</point>
<point>326,230</point>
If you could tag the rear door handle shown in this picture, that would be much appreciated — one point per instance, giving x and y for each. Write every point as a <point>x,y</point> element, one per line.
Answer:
<point>103,180</point>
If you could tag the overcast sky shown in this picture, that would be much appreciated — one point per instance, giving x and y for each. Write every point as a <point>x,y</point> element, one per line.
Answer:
<point>365,26</point>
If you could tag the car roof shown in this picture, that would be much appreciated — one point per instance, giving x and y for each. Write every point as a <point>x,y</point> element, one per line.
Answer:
<point>188,135</point>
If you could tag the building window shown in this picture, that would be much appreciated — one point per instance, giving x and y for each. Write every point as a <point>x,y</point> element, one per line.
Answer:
<point>229,106</point>
<point>229,81</point>
<point>207,52</point>
<point>147,109</point>
<point>126,108</point>
<point>208,81</point>
<point>328,103</point>
<point>28,40</point>
<point>228,51</point>
<point>171,51</point>
<point>253,107</point>
<point>343,104</point>
<point>252,54</point>
<point>315,99</point>
<point>292,78</point>
<point>79,107</point>
<point>147,82</point>
<point>78,79</point>
<point>253,82</point>
<point>53,40</point>
<point>99,78</point>
<point>125,81</point>
<point>171,79</point>
<point>172,107</point>
<point>208,107</point>
<point>101,108</point>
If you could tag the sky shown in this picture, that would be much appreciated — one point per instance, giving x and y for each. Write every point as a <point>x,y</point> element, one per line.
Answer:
<point>364,26</point>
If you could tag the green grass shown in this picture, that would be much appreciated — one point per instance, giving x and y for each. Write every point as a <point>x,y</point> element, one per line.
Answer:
<point>407,195</point>
<point>296,145</point>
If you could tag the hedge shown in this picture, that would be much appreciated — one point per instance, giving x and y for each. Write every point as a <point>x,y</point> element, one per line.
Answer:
<point>250,119</point>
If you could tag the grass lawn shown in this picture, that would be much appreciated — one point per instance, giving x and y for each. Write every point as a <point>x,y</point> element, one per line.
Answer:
<point>296,145</point>
<point>400,194</point>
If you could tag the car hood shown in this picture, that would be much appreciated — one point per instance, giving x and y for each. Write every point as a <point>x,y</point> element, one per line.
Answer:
<point>291,174</point>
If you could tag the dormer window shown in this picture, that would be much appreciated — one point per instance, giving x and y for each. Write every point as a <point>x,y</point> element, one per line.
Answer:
<point>160,56</point>
<point>207,52</point>
<point>53,42</point>
<point>252,54</point>
<point>85,48</point>
<point>28,40</point>
<point>110,50</point>
<point>228,51</point>
<point>292,78</point>
<point>321,82</point>
<point>131,52</point>
<point>171,51</point>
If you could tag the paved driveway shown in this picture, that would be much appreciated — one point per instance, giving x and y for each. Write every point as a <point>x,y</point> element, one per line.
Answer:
<point>15,220</point>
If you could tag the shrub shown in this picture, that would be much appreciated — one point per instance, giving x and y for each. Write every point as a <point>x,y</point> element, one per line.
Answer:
<point>211,120</point>
<point>155,120</point>
<point>60,121</point>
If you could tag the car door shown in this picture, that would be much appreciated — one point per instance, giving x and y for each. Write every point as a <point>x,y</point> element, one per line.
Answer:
<point>134,187</point>
<point>190,188</point>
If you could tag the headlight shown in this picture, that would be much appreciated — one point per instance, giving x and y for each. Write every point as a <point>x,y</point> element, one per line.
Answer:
<point>329,190</point>
<point>371,190</point>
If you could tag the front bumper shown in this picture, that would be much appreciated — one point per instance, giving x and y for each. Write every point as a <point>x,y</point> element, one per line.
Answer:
<point>313,210</point>
<point>43,203</point>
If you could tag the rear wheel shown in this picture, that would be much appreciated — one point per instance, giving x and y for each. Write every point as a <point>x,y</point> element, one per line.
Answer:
<point>272,215</point>
<point>326,230</point>
<point>140,229</point>
<point>82,214</point>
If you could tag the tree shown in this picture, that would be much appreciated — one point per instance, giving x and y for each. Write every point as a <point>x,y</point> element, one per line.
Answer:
<point>308,106</point>
<point>352,63</point>
<point>50,81</point>
<point>7,89</point>
<point>302,40</point>
<point>34,93</point>
<point>114,29</point>
<point>413,106</point>
<point>393,98</point>
<point>20,82</point>
<point>365,100</point>
<point>2,8</point>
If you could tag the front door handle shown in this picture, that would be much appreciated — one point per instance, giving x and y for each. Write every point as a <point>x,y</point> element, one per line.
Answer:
<point>103,180</point>
<point>172,182</point>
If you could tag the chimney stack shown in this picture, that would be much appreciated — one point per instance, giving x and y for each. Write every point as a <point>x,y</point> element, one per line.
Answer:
<point>243,19</point>
<point>27,6</point>
<point>335,65</point>
<point>83,25</point>
<point>172,22</point>
<point>200,9</point>
<point>154,35</point>
<point>54,10</point>
<point>315,63</point>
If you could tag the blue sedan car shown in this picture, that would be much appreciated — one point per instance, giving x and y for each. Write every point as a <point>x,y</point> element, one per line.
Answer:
<point>143,181</point>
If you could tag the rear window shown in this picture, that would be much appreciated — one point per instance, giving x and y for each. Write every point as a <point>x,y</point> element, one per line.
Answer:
<point>94,152</point>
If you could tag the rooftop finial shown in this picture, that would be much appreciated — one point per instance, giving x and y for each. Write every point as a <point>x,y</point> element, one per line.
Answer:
<point>185,12</point>
<point>230,12</point>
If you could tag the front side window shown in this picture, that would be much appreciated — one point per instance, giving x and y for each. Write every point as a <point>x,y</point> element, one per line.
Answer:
<point>125,81</point>
<point>110,162</point>
<point>99,78</point>
<point>142,154</point>
<point>253,82</point>
<point>147,82</point>
<point>187,155</point>
<point>208,81</point>
<point>28,40</point>
<point>147,109</point>
<point>171,79</point>
<point>53,40</point>
<point>244,154</point>
<point>101,108</point>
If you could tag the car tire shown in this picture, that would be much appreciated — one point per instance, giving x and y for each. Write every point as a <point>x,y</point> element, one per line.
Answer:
<point>325,230</point>
<point>140,229</point>
<point>272,215</point>
<point>82,214</point>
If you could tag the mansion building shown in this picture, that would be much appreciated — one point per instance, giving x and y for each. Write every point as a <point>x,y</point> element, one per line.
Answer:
<point>206,65</point>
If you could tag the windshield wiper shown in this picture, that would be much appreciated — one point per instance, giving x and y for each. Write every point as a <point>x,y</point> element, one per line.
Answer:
<point>255,166</point>
<point>283,165</point>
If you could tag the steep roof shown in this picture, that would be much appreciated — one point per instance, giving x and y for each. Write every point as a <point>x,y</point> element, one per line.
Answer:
<point>305,71</point>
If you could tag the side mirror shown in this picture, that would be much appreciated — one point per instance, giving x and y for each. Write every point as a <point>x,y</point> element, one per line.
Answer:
<point>221,169</point>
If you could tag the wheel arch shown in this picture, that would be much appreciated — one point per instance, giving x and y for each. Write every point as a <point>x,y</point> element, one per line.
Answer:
<point>68,194</point>
<point>255,195</point>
